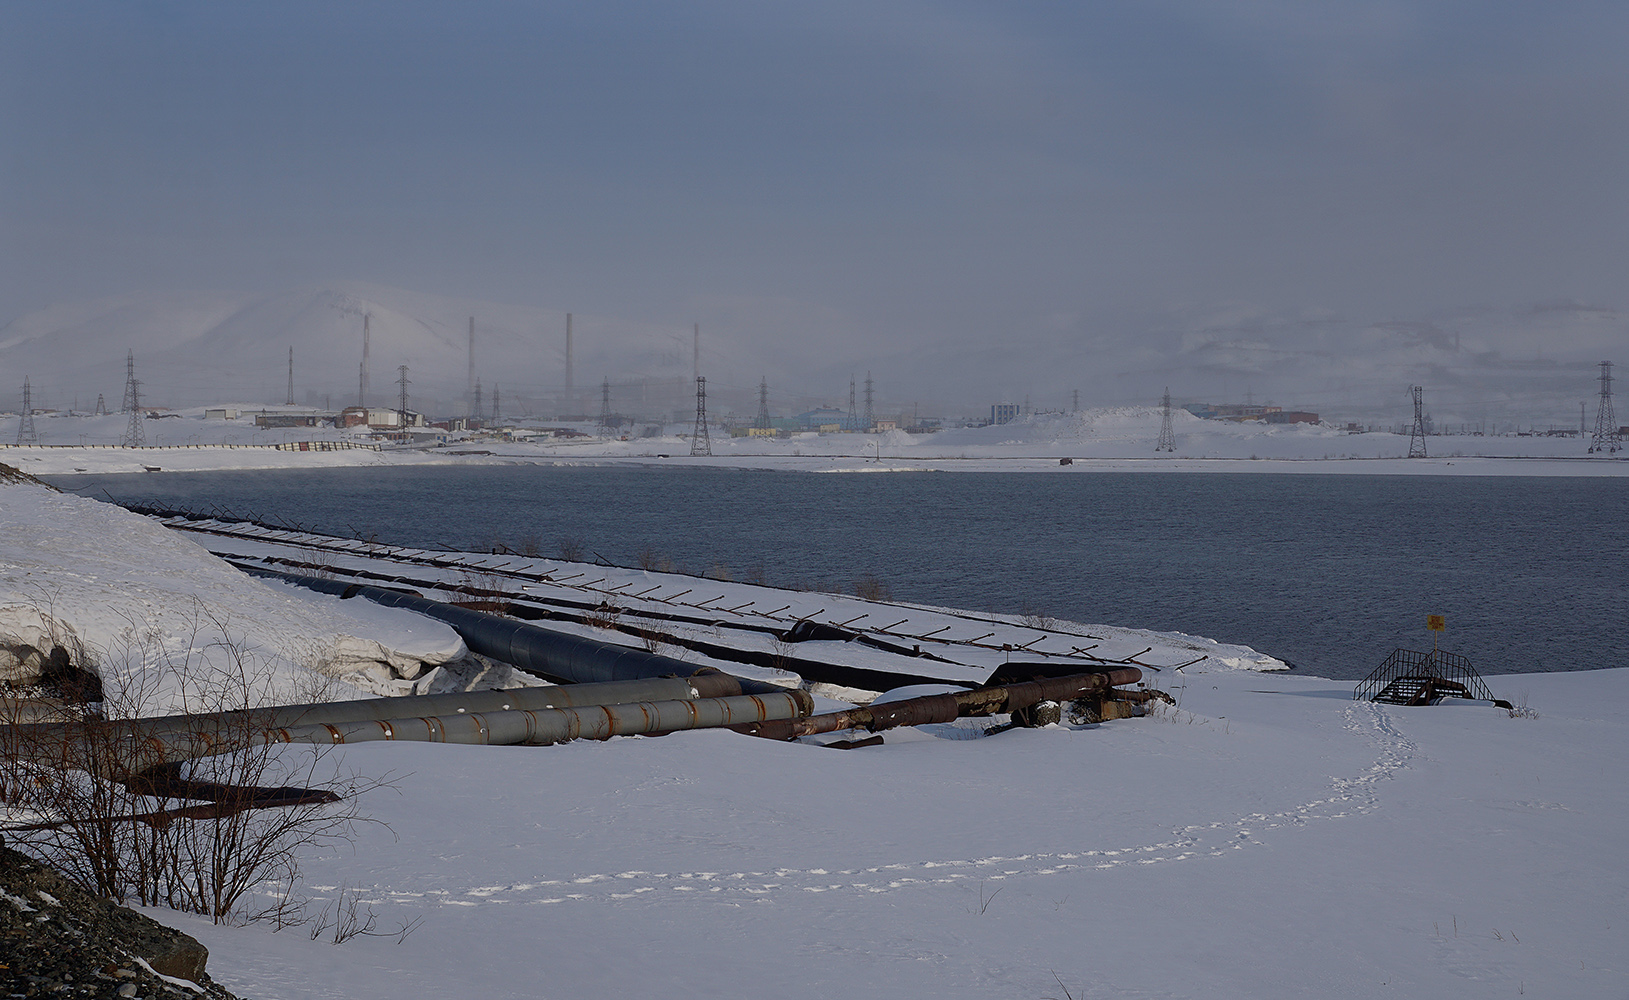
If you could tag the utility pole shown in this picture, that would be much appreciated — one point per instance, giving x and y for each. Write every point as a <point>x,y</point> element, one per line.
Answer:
<point>290,400</point>
<point>1416,437</point>
<point>134,435</point>
<point>25,429</point>
<point>1167,440</point>
<point>700,442</point>
<point>1606,436</point>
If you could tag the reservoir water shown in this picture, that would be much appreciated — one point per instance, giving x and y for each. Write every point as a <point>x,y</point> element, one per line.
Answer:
<point>1327,572</point>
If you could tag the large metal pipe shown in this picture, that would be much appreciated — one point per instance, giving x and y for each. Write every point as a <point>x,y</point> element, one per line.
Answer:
<point>706,683</point>
<point>948,707</point>
<point>536,728</point>
<point>555,656</point>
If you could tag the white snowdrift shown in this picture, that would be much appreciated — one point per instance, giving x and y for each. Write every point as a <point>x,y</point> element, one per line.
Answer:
<point>152,606</point>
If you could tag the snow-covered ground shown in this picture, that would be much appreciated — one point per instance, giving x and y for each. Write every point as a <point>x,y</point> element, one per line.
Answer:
<point>1269,838</point>
<point>1265,837</point>
<point>1120,439</point>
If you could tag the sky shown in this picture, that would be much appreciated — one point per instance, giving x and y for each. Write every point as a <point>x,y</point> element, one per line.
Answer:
<point>887,179</point>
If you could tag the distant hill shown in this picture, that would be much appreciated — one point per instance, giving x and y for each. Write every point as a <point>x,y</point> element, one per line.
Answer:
<point>1530,366</point>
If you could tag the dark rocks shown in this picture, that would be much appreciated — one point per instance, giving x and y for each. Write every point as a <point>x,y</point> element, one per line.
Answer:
<point>58,940</point>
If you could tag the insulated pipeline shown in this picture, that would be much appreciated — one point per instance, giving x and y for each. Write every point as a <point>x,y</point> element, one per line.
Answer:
<point>548,726</point>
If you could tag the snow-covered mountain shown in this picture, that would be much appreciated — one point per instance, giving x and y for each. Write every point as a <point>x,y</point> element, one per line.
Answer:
<point>1528,366</point>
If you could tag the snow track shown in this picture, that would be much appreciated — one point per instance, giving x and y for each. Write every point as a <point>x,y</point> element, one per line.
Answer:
<point>1348,797</point>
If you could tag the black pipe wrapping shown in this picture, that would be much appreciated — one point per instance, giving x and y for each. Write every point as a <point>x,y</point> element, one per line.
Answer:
<point>554,656</point>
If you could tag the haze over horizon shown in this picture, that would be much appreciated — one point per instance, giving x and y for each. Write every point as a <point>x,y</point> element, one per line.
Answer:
<point>973,201</point>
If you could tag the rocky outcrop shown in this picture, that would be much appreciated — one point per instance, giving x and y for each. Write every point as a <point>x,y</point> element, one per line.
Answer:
<point>58,940</point>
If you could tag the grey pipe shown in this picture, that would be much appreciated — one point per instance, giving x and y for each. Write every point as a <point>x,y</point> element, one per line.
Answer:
<point>706,683</point>
<point>536,728</point>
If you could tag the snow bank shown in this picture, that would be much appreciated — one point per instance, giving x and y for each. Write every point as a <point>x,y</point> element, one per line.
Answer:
<point>152,607</point>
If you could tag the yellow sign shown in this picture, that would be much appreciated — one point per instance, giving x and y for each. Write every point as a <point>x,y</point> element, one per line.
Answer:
<point>1436,623</point>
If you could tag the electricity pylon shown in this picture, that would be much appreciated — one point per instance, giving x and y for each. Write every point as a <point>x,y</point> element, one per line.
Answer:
<point>700,442</point>
<point>1606,437</point>
<point>25,429</point>
<point>1167,436</point>
<point>1416,437</point>
<point>134,435</point>
<point>763,422</point>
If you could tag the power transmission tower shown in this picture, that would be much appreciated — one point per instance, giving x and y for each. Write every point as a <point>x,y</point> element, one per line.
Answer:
<point>1606,437</point>
<point>25,429</point>
<point>1167,440</point>
<point>1416,437</point>
<point>870,415</point>
<point>700,442</point>
<point>477,412</point>
<point>101,406</point>
<point>402,383</point>
<point>1076,407</point>
<point>605,408</point>
<point>290,400</point>
<point>134,435</point>
<point>497,407</point>
<point>762,423</point>
<point>853,414</point>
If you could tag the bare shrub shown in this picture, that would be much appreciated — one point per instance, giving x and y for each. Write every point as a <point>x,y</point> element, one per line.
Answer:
<point>649,559</point>
<point>570,548</point>
<point>755,575</point>
<point>529,544</point>
<point>718,571</point>
<point>95,799</point>
<point>607,615</point>
<point>1035,618</point>
<point>869,587</point>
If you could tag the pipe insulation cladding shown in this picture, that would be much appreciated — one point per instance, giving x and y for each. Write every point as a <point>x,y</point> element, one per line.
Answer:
<point>552,655</point>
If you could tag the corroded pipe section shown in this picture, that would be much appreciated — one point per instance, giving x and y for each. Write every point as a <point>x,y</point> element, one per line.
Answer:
<point>547,726</point>
<point>708,683</point>
<point>947,707</point>
<point>536,727</point>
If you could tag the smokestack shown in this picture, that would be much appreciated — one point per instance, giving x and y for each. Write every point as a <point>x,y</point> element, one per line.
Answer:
<point>567,406</point>
<point>470,392</point>
<point>362,382</point>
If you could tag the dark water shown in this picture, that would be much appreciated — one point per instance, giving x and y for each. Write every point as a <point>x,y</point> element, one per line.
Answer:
<point>1328,572</point>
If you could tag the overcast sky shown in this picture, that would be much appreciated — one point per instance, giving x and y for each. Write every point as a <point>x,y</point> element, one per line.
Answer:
<point>897,173</point>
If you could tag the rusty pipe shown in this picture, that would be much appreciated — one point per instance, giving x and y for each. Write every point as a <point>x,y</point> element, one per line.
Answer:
<point>947,707</point>
<point>708,683</point>
<point>539,727</point>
